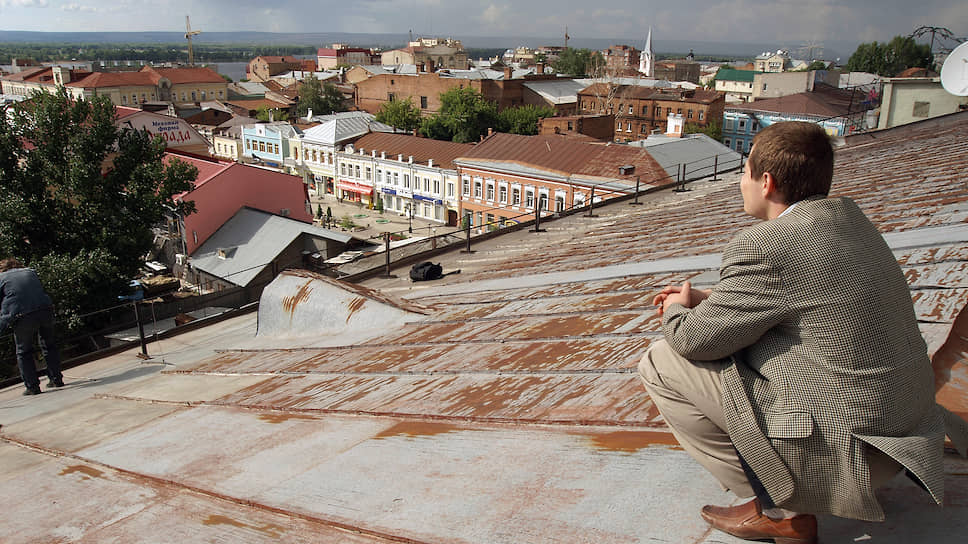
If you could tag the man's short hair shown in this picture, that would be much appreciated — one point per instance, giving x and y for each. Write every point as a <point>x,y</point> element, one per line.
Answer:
<point>799,156</point>
<point>9,264</point>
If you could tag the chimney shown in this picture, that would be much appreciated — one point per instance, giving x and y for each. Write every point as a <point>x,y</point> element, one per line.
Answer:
<point>674,125</point>
<point>399,157</point>
<point>423,67</point>
<point>309,114</point>
<point>507,72</point>
<point>410,159</point>
<point>490,131</point>
<point>540,68</point>
<point>373,153</point>
<point>430,163</point>
<point>383,154</point>
<point>430,66</point>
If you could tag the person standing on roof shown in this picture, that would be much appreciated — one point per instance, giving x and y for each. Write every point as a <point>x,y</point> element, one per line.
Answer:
<point>801,380</point>
<point>27,309</point>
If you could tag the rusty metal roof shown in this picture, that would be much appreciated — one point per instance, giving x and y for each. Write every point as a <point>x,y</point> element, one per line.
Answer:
<point>504,408</point>
<point>422,149</point>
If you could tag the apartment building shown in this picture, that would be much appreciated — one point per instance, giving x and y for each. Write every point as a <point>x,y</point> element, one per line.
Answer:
<point>640,110</point>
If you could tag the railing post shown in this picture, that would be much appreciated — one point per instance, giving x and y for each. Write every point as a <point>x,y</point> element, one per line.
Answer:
<point>591,204</point>
<point>537,218</point>
<point>467,233</point>
<point>635,201</point>
<point>141,331</point>
<point>386,246</point>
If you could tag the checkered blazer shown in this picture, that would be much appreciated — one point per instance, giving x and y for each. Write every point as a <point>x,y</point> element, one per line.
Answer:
<point>824,356</point>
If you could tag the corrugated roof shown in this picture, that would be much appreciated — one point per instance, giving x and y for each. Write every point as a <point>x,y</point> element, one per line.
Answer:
<point>700,153</point>
<point>730,74</point>
<point>556,91</point>
<point>422,149</point>
<point>510,413</point>
<point>343,126</point>
<point>823,101</point>
<point>564,157</point>
<point>250,241</point>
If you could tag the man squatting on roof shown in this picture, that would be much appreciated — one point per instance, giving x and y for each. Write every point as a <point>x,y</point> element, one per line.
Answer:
<point>801,379</point>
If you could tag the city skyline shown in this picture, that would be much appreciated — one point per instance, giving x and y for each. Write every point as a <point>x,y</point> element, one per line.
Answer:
<point>629,20</point>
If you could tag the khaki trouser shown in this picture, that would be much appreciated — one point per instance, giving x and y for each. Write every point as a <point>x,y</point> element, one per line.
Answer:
<point>689,396</point>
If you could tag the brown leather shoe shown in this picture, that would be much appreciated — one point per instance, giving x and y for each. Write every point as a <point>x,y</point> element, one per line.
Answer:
<point>748,522</point>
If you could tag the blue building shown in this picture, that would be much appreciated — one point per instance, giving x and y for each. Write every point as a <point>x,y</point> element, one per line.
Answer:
<point>267,143</point>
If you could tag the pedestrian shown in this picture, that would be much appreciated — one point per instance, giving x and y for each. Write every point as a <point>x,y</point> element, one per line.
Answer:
<point>801,380</point>
<point>27,309</point>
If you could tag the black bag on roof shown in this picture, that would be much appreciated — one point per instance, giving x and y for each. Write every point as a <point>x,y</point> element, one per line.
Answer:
<point>426,271</point>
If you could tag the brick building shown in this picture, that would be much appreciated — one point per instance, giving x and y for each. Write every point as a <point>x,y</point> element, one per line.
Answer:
<point>328,58</point>
<point>424,89</point>
<point>262,68</point>
<point>677,70</point>
<point>507,177</point>
<point>621,57</point>
<point>595,127</point>
<point>639,110</point>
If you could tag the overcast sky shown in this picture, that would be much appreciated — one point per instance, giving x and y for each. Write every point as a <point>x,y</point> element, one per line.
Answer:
<point>701,20</point>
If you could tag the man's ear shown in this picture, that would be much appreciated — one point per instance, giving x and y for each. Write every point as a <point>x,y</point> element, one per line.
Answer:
<point>769,185</point>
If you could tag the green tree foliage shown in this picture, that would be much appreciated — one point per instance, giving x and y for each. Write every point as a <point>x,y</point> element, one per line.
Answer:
<point>322,98</point>
<point>79,195</point>
<point>464,116</point>
<point>579,62</point>
<point>523,119</point>
<point>401,114</point>
<point>713,129</point>
<point>891,58</point>
<point>816,65</point>
<point>267,115</point>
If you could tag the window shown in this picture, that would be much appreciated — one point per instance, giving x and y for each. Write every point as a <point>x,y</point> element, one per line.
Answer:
<point>396,180</point>
<point>689,114</point>
<point>477,189</point>
<point>466,187</point>
<point>571,126</point>
<point>379,175</point>
<point>390,96</point>
<point>543,202</point>
<point>658,111</point>
<point>357,168</point>
<point>423,102</point>
<point>679,111</point>
<point>764,86</point>
<point>342,169</point>
<point>701,114</point>
<point>742,124</point>
<point>643,129</point>
<point>529,198</point>
<point>755,127</point>
<point>559,203</point>
<point>631,111</point>
<point>203,95</point>
<point>921,109</point>
<point>645,111</point>
<point>726,142</point>
<point>490,191</point>
<point>262,146</point>
<point>406,181</point>
<point>220,94</point>
<point>669,112</point>
<point>426,186</point>
<point>618,126</point>
<point>295,153</point>
<point>515,197</point>
<point>450,189</point>
<point>436,186</point>
<point>728,126</point>
<point>629,127</point>
<point>503,194</point>
<point>369,173</point>
<point>739,145</point>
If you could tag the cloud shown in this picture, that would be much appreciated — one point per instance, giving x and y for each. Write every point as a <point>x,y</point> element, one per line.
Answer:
<point>74,6</point>
<point>493,14</point>
<point>23,3</point>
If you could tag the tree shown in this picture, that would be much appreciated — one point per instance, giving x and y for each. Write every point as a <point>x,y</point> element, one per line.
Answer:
<point>464,116</point>
<point>891,58</point>
<point>322,98</point>
<point>816,65</point>
<point>523,119</point>
<point>401,114</point>
<point>713,129</point>
<point>79,195</point>
<point>266,114</point>
<point>319,211</point>
<point>579,62</point>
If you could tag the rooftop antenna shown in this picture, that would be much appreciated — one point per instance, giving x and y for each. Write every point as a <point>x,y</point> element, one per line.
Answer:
<point>808,49</point>
<point>567,37</point>
<point>188,36</point>
<point>954,72</point>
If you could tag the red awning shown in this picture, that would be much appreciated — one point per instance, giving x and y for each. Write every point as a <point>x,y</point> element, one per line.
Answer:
<point>354,187</point>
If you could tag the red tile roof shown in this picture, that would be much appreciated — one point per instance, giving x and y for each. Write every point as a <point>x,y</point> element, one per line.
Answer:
<point>823,101</point>
<point>114,79</point>
<point>703,96</point>
<point>443,153</point>
<point>566,156</point>
<point>186,75</point>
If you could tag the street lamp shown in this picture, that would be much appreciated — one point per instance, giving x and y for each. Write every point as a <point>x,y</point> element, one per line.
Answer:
<point>410,218</point>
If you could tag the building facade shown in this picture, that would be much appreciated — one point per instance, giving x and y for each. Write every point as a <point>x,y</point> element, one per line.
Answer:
<point>736,85</point>
<point>267,143</point>
<point>438,52</point>
<point>906,100</point>
<point>328,58</point>
<point>262,68</point>
<point>640,110</point>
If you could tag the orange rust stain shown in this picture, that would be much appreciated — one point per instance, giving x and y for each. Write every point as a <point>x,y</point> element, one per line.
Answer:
<point>86,471</point>
<point>417,428</point>
<point>631,441</point>
<point>281,417</point>
<point>290,303</point>
<point>268,529</point>
<point>354,306</point>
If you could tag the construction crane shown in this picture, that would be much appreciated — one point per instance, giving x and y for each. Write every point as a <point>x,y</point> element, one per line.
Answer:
<point>188,36</point>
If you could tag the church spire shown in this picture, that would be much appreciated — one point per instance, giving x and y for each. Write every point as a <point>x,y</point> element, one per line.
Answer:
<point>647,58</point>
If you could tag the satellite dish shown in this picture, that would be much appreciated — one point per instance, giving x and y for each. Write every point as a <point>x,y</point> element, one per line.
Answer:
<point>954,71</point>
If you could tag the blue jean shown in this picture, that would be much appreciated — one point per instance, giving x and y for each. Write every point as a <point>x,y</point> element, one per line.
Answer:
<point>40,322</point>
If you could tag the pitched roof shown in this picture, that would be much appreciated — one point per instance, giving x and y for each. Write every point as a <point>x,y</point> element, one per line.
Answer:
<point>254,239</point>
<point>341,127</point>
<point>701,96</point>
<point>185,75</point>
<point>823,101</point>
<point>422,149</point>
<point>730,74</point>
<point>563,157</point>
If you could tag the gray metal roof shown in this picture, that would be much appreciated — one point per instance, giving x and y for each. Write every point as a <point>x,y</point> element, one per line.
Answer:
<point>340,127</point>
<point>557,91</point>
<point>697,151</point>
<point>251,240</point>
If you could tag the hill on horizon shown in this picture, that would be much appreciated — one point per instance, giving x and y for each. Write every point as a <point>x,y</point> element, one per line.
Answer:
<point>841,49</point>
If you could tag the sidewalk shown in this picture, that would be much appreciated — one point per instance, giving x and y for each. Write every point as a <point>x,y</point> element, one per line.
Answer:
<point>374,222</point>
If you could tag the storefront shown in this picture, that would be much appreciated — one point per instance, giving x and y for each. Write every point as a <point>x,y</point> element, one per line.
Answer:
<point>355,192</point>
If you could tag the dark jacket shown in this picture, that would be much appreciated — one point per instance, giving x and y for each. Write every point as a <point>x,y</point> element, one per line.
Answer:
<point>21,293</point>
